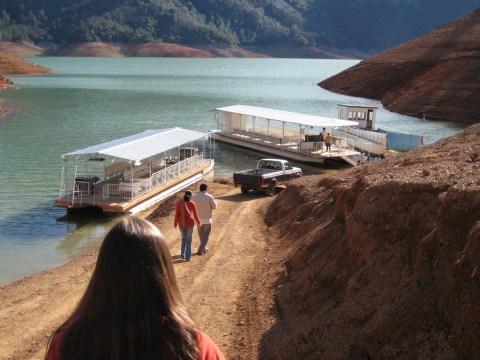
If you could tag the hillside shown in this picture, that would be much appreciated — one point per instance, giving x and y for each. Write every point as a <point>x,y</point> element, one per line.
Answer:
<point>9,65</point>
<point>352,28</point>
<point>436,76</point>
<point>381,261</point>
<point>150,49</point>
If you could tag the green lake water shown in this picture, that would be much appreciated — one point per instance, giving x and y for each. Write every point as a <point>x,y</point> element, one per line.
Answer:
<point>86,101</point>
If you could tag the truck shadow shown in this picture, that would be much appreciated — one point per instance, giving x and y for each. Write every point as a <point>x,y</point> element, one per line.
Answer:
<point>251,196</point>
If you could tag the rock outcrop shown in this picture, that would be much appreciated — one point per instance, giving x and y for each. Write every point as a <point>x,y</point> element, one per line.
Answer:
<point>10,65</point>
<point>381,261</point>
<point>435,76</point>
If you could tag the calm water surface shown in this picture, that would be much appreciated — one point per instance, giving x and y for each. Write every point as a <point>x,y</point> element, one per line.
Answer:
<point>85,101</point>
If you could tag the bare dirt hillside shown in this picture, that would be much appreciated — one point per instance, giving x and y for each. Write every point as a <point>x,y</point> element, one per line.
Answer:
<point>101,49</point>
<point>436,76</point>
<point>152,49</point>
<point>162,49</point>
<point>380,261</point>
<point>21,49</point>
<point>10,65</point>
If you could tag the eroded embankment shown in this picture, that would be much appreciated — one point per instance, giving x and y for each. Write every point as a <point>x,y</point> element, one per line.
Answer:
<point>382,261</point>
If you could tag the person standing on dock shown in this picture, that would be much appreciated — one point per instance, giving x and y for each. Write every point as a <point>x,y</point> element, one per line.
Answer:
<point>185,218</point>
<point>323,134</point>
<point>205,204</point>
<point>328,142</point>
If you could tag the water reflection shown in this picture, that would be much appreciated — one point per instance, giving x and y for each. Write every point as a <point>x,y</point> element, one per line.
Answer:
<point>84,231</point>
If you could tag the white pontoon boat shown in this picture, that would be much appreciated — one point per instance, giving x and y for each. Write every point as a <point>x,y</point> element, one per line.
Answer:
<point>285,134</point>
<point>130,174</point>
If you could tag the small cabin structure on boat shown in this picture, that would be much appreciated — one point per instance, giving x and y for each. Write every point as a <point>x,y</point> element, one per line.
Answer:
<point>132,173</point>
<point>289,135</point>
<point>367,137</point>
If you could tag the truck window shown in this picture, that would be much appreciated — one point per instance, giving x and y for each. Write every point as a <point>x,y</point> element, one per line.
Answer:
<point>278,166</point>
<point>262,165</point>
<point>288,166</point>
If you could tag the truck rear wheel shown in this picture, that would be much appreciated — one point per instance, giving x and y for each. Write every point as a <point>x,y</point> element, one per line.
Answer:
<point>272,187</point>
<point>244,189</point>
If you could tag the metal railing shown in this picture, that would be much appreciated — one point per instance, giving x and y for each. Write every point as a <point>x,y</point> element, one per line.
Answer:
<point>356,134</point>
<point>294,143</point>
<point>133,188</point>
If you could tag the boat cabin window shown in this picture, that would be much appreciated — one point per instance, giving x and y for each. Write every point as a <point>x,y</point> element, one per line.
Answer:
<point>356,115</point>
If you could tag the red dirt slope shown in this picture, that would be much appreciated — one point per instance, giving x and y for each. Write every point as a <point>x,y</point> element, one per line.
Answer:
<point>381,261</point>
<point>436,76</point>
<point>10,64</point>
<point>101,49</point>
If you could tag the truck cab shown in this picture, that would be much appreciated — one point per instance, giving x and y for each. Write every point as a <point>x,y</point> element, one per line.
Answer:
<point>266,176</point>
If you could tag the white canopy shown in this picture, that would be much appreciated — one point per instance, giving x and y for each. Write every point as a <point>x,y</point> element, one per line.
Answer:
<point>140,146</point>
<point>285,116</point>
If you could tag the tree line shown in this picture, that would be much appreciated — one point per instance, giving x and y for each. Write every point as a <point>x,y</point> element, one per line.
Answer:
<point>361,24</point>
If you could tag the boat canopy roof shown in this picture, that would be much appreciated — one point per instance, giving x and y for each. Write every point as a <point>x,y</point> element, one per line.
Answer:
<point>286,116</point>
<point>141,146</point>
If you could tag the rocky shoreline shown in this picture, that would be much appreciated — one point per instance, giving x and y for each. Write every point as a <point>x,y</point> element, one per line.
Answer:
<point>162,49</point>
<point>12,65</point>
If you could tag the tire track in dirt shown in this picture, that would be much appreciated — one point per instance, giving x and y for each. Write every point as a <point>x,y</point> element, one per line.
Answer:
<point>214,293</point>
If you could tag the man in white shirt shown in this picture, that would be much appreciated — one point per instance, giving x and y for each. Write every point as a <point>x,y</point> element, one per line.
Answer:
<point>323,134</point>
<point>205,204</point>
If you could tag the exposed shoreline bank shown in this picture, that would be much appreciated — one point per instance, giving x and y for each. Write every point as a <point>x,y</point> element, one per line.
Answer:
<point>12,65</point>
<point>163,49</point>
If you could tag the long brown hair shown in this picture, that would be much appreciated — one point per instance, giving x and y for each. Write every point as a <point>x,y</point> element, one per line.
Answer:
<point>132,308</point>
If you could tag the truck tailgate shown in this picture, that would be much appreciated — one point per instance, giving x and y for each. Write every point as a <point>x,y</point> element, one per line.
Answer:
<point>247,179</point>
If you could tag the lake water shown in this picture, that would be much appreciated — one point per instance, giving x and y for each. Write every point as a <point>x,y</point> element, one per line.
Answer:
<point>85,101</point>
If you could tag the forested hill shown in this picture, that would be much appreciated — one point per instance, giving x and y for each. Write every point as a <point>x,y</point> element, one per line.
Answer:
<point>361,27</point>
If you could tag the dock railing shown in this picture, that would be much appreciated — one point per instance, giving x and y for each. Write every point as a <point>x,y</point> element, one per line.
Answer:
<point>296,143</point>
<point>356,134</point>
<point>133,188</point>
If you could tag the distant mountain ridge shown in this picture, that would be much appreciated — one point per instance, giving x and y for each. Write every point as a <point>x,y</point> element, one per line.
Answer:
<point>350,27</point>
<point>435,76</point>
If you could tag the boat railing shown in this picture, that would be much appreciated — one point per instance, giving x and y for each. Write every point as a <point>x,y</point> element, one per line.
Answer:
<point>293,143</point>
<point>369,135</point>
<point>136,187</point>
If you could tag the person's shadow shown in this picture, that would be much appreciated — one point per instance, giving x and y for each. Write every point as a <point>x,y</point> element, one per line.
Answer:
<point>177,259</point>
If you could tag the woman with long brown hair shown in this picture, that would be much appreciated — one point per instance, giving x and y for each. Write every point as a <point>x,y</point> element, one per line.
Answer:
<point>132,307</point>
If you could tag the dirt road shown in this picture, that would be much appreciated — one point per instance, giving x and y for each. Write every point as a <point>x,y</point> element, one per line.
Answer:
<point>222,289</point>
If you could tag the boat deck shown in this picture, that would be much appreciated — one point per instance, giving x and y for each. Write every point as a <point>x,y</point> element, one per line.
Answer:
<point>290,146</point>
<point>122,195</point>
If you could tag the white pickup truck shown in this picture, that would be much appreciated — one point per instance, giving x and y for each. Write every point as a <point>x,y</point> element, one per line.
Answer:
<point>268,174</point>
